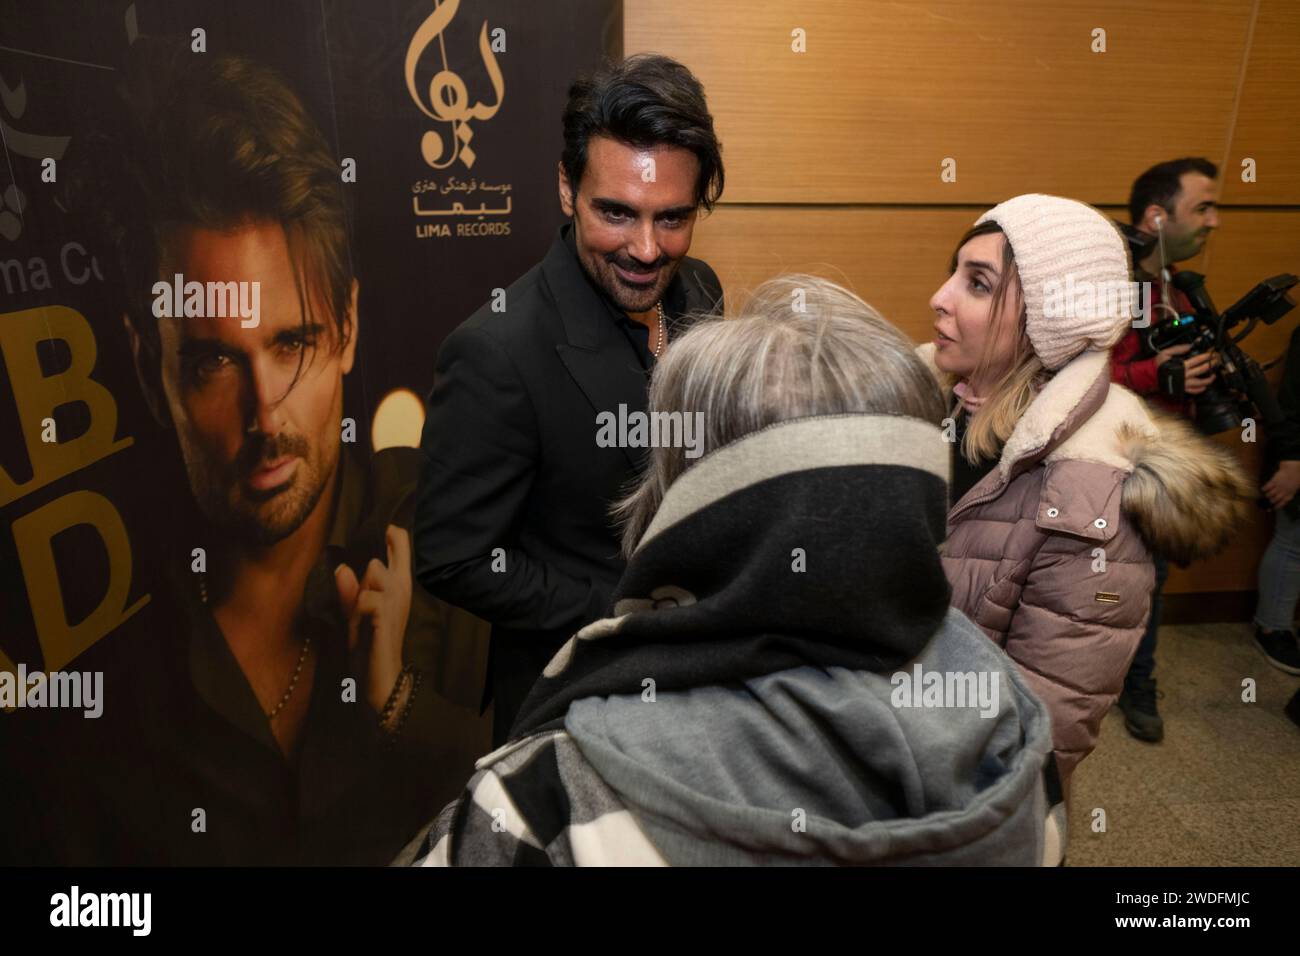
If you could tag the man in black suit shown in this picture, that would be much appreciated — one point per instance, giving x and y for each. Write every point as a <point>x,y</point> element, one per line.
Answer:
<point>512,520</point>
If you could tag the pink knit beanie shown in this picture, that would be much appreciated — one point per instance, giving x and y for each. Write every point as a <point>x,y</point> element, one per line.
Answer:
<point>1074,269</point>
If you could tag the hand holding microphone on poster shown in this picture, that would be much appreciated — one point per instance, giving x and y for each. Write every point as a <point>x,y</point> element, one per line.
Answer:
<point>377,608</point>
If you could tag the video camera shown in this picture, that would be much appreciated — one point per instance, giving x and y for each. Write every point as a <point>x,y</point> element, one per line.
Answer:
<point>1239,387</point>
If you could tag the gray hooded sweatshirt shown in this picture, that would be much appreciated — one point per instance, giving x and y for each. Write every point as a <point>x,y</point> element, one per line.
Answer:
<point>816,765</point>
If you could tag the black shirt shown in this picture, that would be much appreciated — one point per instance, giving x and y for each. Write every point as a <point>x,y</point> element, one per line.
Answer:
<point>966,476</point>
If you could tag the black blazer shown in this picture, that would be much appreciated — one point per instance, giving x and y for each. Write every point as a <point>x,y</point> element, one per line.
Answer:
<point>511,461</point>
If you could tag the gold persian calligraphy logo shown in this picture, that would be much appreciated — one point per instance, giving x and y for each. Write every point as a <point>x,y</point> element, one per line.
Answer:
<point>447,101</point>
<point>478,208</point>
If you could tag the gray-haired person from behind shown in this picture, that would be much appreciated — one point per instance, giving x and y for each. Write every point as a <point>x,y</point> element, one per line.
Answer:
<point>781,679</point>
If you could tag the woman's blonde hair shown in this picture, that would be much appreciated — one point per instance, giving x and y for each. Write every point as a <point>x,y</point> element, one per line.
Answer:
<point>1018,385</point>
<point>798,346</point>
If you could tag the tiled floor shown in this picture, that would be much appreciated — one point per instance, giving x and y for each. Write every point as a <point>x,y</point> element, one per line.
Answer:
<point>1222,789</point>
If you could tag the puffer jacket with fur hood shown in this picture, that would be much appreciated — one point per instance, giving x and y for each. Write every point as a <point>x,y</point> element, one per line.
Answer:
<point>1051,552</point>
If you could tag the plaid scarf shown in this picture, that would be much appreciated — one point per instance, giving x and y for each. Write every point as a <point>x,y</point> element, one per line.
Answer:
<point>814,541</point>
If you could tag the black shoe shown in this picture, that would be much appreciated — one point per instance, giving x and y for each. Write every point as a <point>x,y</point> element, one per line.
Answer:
<point>1141,718</point>
<point>1279,649</point>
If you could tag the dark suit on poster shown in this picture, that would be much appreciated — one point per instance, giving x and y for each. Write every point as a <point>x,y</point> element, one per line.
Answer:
<point>512,461</point>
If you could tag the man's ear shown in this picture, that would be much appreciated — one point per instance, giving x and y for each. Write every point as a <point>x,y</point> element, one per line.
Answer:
<point>1154,211</point>
<point>350,350</point>
<point>566,193</point>
<point>148,375</point>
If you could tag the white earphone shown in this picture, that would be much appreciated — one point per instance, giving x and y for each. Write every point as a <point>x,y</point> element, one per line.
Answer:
<point>1164,271</point>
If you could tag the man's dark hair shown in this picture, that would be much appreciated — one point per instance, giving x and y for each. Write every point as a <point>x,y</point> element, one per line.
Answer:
<point>216,142</point>
<point>647,100</point>
<point>1162,183</point>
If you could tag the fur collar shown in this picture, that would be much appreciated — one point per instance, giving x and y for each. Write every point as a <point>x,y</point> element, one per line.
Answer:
<point>1077,415</point>
<point>1185,494</point>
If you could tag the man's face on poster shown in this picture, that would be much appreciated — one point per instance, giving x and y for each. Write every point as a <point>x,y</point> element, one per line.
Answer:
<point>633,215</point>
<point>257,410</point>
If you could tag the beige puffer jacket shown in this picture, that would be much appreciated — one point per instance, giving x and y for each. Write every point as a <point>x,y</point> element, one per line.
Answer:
<point>1050,554</point>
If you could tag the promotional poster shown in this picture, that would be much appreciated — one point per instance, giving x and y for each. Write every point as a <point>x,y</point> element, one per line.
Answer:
<point>423,139</point>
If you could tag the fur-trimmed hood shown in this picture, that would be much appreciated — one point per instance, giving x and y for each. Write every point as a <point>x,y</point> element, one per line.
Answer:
<point>1185,494</point>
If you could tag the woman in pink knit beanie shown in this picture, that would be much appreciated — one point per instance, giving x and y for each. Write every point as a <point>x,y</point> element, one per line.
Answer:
<point>1064,483</point>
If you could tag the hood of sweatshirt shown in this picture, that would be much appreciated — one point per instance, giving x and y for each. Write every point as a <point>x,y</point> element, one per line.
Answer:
<point>939,762</point>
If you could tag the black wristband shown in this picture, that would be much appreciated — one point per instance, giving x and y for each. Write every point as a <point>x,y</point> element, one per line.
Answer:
<point>1171,377</point>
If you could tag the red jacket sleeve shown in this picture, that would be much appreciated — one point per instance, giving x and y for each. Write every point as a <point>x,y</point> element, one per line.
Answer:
<point>1138,375</point>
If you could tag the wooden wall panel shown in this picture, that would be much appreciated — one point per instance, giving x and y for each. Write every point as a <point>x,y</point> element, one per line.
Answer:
<point>1251,245</point>
<point>1270,106</point>
<point>895,258</point>
<point>1009,89</point>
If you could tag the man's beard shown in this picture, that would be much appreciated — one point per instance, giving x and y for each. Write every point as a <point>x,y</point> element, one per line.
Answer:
<point>260,518</point>
<point>1188,246</point>
<point>627,297</point>
<point>1196,244</point>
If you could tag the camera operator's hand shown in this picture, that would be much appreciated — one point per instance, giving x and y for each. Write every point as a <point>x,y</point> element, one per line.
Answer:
<point>1198,372</point>
<point>1281,488</point>
<point>1164,355</point>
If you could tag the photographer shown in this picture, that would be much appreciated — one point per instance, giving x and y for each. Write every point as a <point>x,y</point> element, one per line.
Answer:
<point>1172,203</point>
<point>1279,571</point>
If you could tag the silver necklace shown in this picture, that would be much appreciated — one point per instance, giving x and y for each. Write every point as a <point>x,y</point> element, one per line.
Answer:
<point>659,338</point>
<point>297,671</point>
